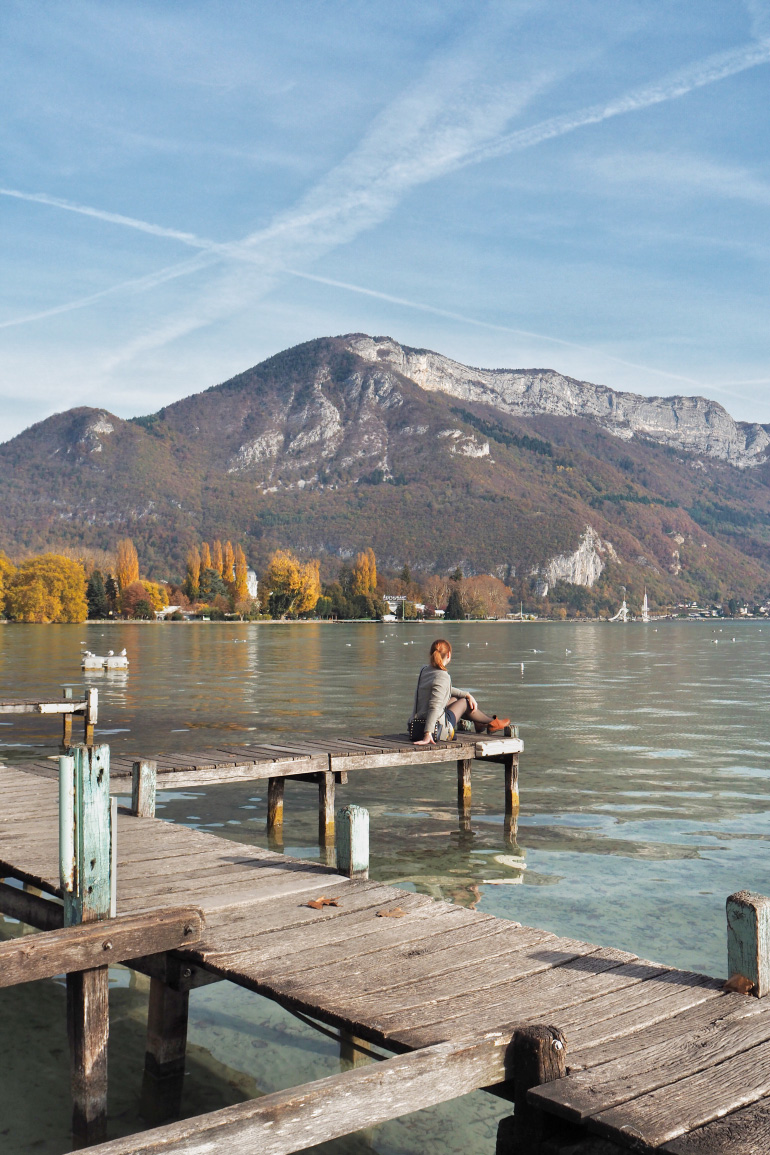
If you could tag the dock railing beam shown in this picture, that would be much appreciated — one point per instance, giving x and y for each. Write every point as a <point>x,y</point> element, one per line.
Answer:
<point>86,866</point>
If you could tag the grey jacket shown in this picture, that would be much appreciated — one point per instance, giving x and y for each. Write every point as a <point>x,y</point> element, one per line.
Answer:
<point>434,689</point>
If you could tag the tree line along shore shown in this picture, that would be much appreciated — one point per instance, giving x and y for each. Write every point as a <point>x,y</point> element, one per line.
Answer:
<point>218,586</point>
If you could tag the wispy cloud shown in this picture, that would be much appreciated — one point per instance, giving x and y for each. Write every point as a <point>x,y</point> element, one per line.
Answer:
<point>720,66</point>
<point>449,119</point>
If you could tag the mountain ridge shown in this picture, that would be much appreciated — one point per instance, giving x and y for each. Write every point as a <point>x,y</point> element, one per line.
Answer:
<point>326,450</point>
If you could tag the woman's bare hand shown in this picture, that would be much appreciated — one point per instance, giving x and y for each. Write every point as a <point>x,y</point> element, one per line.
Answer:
<point>427,741</point>
<point>472,703</point>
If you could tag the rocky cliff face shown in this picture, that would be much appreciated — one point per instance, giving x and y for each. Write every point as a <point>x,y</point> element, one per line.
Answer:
<point>690,423</point>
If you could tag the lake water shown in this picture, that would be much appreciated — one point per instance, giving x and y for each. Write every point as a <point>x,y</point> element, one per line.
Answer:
<point>645,801</point>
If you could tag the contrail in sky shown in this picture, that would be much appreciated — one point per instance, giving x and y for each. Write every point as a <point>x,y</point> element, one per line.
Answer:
<point>363,190</point>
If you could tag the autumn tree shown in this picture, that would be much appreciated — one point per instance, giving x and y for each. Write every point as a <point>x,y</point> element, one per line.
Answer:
<point>126,563</point>
<point>290,585</point>
<point>485,596</point>
<point>436,591</point>
<point>364,574</point>
<point>228,564</point>
<point>193,579</point>
<point>7,569</point>
<point>49,588</point>
<point>205,556</point>
<point>217,561</point>
<point>241,584</point>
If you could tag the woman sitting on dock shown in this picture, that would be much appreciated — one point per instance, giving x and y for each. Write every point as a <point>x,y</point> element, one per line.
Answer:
<point>438,706</point>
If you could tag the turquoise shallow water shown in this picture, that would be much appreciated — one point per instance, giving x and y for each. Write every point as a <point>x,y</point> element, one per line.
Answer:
<point>644,802</point>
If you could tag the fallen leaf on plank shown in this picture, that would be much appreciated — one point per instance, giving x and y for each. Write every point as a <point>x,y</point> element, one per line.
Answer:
<point>397,913</point>
<point>739,983</point>
<point>320,903</point>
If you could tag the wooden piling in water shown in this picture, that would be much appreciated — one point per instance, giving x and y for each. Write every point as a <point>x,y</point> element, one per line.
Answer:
<point>143,788</point>
<point>275,793</point>
<point>326,785</point>
<point>748,939</point>
<point>352,841</point>
<point>511,763</point>
<point>85,864</point>
<point>464,789</point>
<point>66,735</point>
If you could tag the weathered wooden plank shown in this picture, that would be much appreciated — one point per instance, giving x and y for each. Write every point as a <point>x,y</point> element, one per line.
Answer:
<point>305,1116</point>
<point>662,1115</point>
<point>40,706</point>
<point>93,944</point>
<point>744,1132</point>
<point>693,1045</point>
<point>486,747</point>
<point>143,787</point>
<point>671,998</point>
<point>324,942</point>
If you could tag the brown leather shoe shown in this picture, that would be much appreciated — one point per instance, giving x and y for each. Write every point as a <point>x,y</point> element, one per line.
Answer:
<point>497,724</point>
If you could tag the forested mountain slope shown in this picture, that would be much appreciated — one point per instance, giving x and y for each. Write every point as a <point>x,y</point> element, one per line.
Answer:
<point>346,442</point>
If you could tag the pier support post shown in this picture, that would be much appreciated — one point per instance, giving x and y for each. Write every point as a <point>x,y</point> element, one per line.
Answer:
<point>275,793</point>
<point>352,841</point>
<point>326,808</point>
<point>511,794</point>
<point>66,723</point>
<point>143,788</point>
<point>748,939</point>
<point>464,791</point>
<point>165,1054</point>
<point>539,1056</point>
<point>92,715</point>
<point>86,868</point>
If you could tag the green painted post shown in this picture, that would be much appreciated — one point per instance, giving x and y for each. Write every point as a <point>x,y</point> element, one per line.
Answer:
<point>89,898</point>
<point>86,842</point>
<point>748,939</point>
<point>352,837</point>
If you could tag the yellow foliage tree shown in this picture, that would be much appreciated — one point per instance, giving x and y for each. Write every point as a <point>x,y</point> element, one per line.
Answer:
<point>7,569</point>
<point>241,587</point>
<point>126,564</point>
<point>229,564</point>
<point>157,594</point>
<point>217,561</point>
<point>205,556</point>
<point>291,585</point>
<point>49,588</point>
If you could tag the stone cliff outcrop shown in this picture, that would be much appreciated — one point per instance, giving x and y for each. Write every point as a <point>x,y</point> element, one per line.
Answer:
<point>584,566</point>
<point>694,424</point>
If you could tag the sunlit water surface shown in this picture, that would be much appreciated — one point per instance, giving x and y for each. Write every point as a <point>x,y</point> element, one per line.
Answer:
<point>644,802</point>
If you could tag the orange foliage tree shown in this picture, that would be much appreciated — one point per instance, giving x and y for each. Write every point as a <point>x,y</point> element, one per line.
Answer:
<point>217,561</point>
<point>126,564</point>
<point>49,588</point>
<point>228,563</point>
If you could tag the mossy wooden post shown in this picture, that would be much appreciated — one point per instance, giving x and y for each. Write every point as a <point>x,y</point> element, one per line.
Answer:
<point>326,808</point>
<point>143,780</point>
<point>85,864</point>
<point>464,791</point>
<point>511,793</point>
<point>92,714</point>
<point>352,839</point>
<point>748,939</point>
<point>165,1053</point>
<point>66,724</point>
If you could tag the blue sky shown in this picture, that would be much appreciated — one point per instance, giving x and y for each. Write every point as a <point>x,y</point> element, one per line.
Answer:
<point>190,187</point>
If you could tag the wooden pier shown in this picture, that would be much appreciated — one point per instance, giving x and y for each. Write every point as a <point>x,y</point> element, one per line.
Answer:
<point>635,1052</point>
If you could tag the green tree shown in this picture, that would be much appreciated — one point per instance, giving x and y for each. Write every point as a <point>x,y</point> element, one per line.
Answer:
<point>454,609</point>
<point>96,596</point>
<point>323,607</point>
